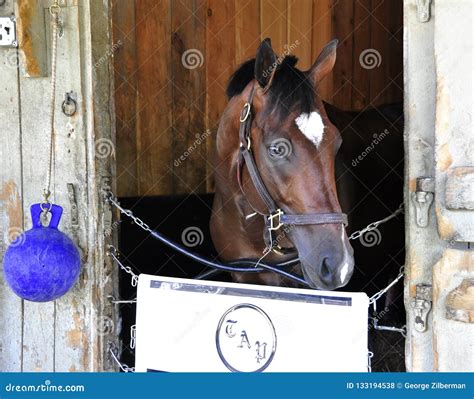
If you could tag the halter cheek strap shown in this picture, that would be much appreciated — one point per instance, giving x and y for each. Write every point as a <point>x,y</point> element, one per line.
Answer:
<point>275,218</point>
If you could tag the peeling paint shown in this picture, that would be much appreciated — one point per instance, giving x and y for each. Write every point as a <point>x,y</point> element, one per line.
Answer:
<point>10,196</point>
<point>77,337</point>
<point>451,339</point>
<point>460,302</point>
<point>445,227</point>
<point>445,159</point>
<point>26,14</point>
<point>443,110</point>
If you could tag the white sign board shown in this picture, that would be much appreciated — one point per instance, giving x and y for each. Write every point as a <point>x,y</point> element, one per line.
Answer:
<point>206,326</point>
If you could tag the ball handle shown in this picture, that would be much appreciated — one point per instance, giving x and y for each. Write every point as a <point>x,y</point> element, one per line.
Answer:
<point>55,210</point>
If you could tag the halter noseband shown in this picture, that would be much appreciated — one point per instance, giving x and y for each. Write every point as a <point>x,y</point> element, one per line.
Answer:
<point>275,218</point>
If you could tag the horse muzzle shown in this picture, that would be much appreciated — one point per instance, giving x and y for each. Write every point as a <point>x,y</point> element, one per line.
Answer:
<point>325,254</point>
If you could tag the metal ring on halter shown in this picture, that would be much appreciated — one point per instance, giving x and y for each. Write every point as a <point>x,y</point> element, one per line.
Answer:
<point>246,109</point>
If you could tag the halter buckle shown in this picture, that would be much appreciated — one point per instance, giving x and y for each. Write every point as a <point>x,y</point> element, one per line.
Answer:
<point>249,144</point>
<point>271,220</point>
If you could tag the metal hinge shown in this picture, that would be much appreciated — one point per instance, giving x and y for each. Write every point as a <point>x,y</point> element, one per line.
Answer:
<point>423,10</point>
<point>421,304</point>
<point>423,198</point>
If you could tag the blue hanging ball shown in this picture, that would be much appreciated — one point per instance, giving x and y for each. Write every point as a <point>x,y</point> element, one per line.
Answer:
<point>42,263</point>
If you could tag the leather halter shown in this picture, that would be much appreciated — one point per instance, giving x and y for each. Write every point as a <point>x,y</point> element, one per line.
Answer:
<point>275,218</point>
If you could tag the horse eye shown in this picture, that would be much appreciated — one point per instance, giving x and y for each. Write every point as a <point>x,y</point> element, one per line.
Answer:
<point>280,148</point>
<point>276,151</point>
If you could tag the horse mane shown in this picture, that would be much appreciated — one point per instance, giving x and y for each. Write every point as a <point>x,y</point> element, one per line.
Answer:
<point>290,87</point>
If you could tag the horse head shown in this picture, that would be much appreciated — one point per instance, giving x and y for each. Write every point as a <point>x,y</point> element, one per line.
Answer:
<point>294,145</point>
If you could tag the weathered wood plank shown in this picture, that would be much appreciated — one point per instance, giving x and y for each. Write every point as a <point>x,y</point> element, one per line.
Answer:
<point>220,50</point>
<point>61,335</point>
<point>380,74</point>
<point>154,105</point>
<point>300,31</point>
<point>343,25</point>
<point>188,55</point>
<point>72,327</point>
<point>102,325</point>
<point>125,68</point>
<point>11,211</point>
<point>39,318</point>
<point>361,75</point>
<point>423,244</point>
<point>454,104</point>
<point>247,29</point>
<point>321,35</point>
<point>274,23</point>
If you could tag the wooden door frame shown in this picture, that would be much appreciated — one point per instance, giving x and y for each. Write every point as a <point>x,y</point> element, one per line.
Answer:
<point>74,332</point>
<point>439,259</point>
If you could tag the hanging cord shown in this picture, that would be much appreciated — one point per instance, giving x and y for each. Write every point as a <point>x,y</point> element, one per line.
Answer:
<point>55,11</point>
<point>237,266</point>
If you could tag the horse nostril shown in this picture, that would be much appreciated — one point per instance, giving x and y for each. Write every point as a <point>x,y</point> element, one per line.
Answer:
<point>325,271</point>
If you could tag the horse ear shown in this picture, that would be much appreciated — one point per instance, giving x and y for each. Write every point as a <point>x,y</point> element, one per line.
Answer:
<point>265,63</point>
<point>325,62</point>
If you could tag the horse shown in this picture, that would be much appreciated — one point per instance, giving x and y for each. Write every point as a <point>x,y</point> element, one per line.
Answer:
<point>305,153</point>
<point>285,168</point>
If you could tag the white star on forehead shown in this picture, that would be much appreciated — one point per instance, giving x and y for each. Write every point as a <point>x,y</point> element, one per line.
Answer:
<point>312,126</point>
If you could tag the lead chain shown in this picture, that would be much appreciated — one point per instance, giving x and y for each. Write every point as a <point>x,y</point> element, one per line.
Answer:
<point>375,298</point>
<point>372,226</point>
<point>127,212</point>
<point>133,336</point>
<point>373,302</point>
<point>356,234</point>
<point>113,253</point>
<point>370,355</point>
<point>122,366</point>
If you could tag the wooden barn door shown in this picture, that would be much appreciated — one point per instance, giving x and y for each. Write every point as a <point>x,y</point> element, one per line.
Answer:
<point>73,332</point>
<point>439,289</point>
